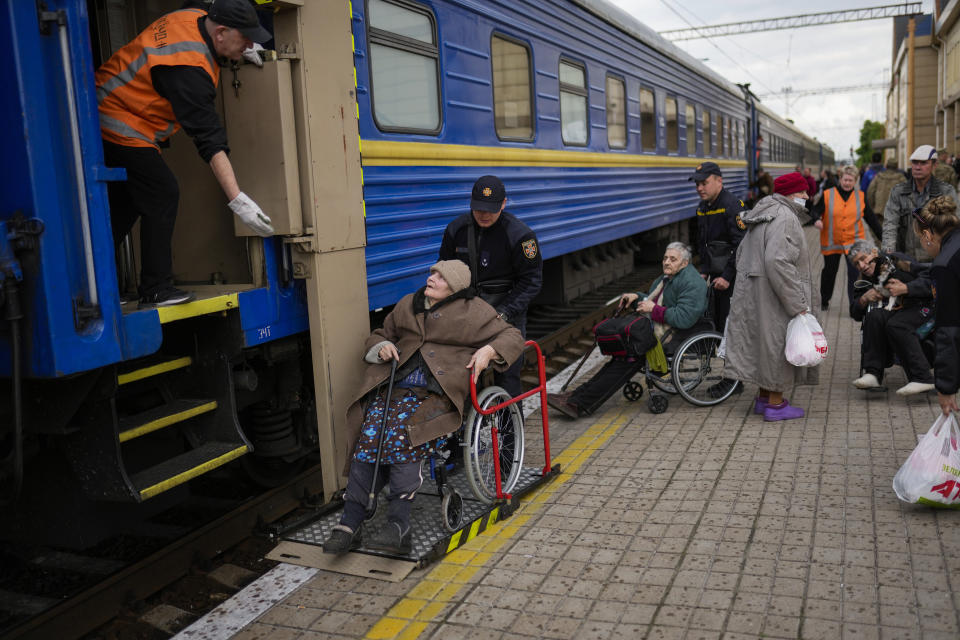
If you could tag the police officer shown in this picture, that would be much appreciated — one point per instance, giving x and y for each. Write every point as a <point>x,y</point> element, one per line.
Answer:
<point>720,231</point>
<point>504,259</point>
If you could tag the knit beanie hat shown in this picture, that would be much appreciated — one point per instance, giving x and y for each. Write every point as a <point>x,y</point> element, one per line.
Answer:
<point>455,272</point>
<point>789,184</point>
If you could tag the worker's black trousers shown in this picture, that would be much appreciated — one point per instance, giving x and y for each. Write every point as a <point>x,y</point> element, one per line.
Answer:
<point>828,277</point>
<point>150,194</point>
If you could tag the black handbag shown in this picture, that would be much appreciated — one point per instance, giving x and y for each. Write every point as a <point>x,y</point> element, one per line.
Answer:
<point>627,336</point>
<point>718,255</point>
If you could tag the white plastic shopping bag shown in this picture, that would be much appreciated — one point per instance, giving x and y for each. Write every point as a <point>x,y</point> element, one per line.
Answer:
<point>931,475</point>
<point>806,343</point>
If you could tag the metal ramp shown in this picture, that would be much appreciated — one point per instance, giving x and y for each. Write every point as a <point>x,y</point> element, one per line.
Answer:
<point>431,541</point>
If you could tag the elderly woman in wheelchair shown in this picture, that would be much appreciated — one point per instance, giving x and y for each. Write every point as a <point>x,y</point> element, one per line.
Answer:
<point>676,305</point>
<point>417,374</point>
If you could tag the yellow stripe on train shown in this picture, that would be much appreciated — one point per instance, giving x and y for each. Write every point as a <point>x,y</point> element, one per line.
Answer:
<point>382,153</point>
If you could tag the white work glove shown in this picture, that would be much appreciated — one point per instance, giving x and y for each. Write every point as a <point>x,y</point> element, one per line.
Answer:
<point>251,214</point>
<point>253,54</point>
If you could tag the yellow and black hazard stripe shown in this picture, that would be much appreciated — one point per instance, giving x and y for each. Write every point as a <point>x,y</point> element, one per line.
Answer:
<point>478,526</point>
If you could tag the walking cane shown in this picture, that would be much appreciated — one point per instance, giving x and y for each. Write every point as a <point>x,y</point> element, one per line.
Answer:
<point>372,496</point>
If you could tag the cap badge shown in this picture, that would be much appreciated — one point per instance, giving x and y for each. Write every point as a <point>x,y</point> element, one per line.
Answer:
<point>699,166</point>
<point>487,192</point>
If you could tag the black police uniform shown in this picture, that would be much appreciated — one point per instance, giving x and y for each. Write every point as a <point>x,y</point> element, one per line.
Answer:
<point>720,231</point>
<point>509,271</point>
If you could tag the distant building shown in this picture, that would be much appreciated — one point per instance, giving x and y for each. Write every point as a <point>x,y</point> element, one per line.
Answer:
<point>911,105</point>
<point>947,31</point>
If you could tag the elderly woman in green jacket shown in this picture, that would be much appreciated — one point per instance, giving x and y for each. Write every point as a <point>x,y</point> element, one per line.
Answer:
<point>676,301</point>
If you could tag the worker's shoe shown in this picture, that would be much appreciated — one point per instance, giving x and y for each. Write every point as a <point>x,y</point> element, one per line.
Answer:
<point>165,297</point>
<point>392,539</point>
<point>913,388</point>
<point>782,411</point>
<point>866,381</point>
<point>561,402</point>
<point>341,540</point>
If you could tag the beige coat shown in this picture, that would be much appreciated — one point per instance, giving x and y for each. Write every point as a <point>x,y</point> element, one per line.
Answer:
<point>774,284</point>
<point>446,336</point>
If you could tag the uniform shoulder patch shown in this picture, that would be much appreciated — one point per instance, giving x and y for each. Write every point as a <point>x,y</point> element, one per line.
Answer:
<point>741,203</point>
<point>529,248</point>
<point>741,224</point>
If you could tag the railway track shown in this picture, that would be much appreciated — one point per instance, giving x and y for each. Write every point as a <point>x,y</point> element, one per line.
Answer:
<point>168,574</point>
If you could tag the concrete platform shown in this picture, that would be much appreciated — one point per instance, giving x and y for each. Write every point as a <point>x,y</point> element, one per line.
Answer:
<point>697,523</point>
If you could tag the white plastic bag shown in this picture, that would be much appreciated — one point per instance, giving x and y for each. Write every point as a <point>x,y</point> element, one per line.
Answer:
<point>931,475</point>
<point>806,344</point>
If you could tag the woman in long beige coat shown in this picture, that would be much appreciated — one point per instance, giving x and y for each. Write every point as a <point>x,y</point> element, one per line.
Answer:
<point>773,286</point>
<point>436,335</point>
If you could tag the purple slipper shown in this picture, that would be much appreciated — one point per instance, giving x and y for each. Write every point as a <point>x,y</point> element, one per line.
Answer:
<point>782,411</point>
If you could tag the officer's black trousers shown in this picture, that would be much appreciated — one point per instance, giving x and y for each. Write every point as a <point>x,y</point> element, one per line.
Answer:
<point>721,306</point>
<point>889,333</point>
<point>510,379</point>
<point>829,276</point>
<point>151,194</point>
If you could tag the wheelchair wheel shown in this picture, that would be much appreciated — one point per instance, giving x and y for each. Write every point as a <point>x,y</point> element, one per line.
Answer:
<point>657,403</point>
<point>663,384</point>
<point>698,370</point>
<point>478,446</point>
<point>451,506</point>
<point>633,391</point>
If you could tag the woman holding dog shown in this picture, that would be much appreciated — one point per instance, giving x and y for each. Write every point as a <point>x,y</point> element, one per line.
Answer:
<point>938,229</point>
<point>893,300</point>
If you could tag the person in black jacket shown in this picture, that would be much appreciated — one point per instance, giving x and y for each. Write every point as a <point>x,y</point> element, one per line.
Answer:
<point>938,228</point>
<point>720,231</point>
<point>504,257</point>
<point>889,332</point>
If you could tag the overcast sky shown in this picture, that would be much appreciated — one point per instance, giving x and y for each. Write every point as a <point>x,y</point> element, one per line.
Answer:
<point>843,54</point>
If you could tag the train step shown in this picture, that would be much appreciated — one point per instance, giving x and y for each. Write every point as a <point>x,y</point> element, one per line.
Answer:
<point>175,471</point>
<point>157,369</point>
<point>163,416</point>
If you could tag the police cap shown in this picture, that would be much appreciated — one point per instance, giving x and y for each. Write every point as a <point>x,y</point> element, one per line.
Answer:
<point>705,169</point>
<point>488,194</point>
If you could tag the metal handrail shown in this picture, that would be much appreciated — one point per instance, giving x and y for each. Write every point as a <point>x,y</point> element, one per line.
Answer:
<point>495,436</point>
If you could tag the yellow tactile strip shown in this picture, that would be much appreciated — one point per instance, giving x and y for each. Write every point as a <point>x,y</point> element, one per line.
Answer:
<point>426,601</point>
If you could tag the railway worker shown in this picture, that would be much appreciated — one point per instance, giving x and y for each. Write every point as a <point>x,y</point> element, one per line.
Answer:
<point>774,253</point>
<point>504,259</point>
<point>905,198</point>
<point>720,231</point>
<point>943,170</point>
<point>889,332</point>
<point>164,79</point>
<point>430,390</point>
<point>840,215</point>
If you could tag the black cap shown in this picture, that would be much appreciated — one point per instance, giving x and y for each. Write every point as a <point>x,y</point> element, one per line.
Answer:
<point>705,169</point>
<point>240,15</point>
<point>488,194</point>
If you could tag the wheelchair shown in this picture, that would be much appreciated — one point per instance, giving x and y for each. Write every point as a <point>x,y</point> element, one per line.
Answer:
<point>695,371</point>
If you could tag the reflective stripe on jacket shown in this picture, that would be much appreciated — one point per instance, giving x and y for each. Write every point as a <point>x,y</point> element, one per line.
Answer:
<point>132,113</point>
<point>842,221</point>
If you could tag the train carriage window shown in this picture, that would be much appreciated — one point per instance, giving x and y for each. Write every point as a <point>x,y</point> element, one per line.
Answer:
<point>512,89</point>
<point>673,127</point>
<point>616,113</point>
<point>573,103</point>
<point>728,139</point>
<point>720,133</point>
<point>707,139</point>
<point>648,121</point>
<point>691,127</point>
<point>404,74</point>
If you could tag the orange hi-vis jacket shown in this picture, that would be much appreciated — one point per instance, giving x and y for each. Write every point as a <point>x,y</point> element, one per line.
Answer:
<point>842,221</point>
<point>132,113</point>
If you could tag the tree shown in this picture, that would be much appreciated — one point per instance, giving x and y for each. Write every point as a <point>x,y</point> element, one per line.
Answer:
<point>869,132</point>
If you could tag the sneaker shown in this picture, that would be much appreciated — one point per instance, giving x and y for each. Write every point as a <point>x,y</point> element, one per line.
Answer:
<point>782,411</point>
<point>913,388</point>
<point>392,539</point>
<point>341,540</point>
<point>866,381</point>
<point>165,297</point>
<point>760,405</point>
<point>561,402</point>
